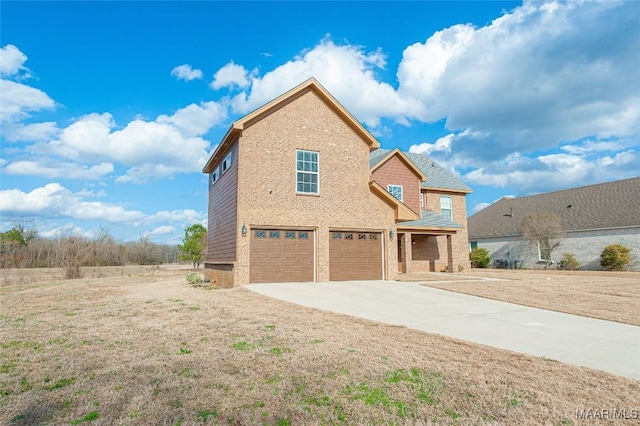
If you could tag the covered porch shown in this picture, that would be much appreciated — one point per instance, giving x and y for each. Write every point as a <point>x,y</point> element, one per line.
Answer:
<point>425,251</point>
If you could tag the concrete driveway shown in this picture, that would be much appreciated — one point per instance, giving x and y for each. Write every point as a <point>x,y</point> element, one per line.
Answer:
<point>572,339</point>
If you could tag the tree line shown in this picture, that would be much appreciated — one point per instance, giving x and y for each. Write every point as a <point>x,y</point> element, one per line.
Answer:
<point>21,247</point>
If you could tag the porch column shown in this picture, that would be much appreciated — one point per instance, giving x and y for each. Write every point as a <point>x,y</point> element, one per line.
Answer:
<point>407,253</point>
<point>449,254</point>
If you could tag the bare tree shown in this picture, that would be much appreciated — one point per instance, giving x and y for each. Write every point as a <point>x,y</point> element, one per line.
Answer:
<point>546,231</point>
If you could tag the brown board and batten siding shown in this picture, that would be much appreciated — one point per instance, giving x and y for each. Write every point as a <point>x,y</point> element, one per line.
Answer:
<point>223,206</point>
<point>395,172</point>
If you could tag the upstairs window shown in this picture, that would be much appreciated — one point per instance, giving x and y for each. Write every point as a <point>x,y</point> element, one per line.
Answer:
<point>226,163</point>
<point>307,172</point>
<point>446,207</point>
<point>422,200</point>
<point>396,191</point>
<point>214,176</point>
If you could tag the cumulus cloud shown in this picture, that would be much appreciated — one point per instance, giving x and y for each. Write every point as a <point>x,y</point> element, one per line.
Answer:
<point>163,230</point>
<point>232,75</point>
<point>19,100</point>
<point>53,170</point>
<point>347,71</point>
<point>196,120</point>
<point>54,200</point>
<point>30,132</point>
<point>186,72</point>
<point>150,148</point>
<point>543,74</point>
<point>12,61</point>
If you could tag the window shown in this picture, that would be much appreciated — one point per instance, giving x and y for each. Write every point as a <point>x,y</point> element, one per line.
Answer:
<point>290,235</point>
<point>421,199</point>
<point>261,234</point>
<point>474,245</point>
<point>274,234</point>
<point>396,191</point>
<point>337,236</point>
<point>214,176</point>
<point>226,163</point>
<point>303,235</point>
<point>446,207</point>
<point>307,168</point>
<point>544,254</point>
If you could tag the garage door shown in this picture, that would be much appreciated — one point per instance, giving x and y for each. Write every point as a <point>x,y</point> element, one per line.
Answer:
<point>279,255</point>
<point>355,256</point>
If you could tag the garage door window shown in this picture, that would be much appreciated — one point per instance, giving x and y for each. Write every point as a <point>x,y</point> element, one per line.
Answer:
<point>303,235</point>
<point>274,234</point>
<point>337,235</point>
<point>290,235</point>
<point>261,234</point>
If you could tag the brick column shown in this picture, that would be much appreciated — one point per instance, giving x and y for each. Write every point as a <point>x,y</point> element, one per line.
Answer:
<point>449,254</point>
<point>407,253</point>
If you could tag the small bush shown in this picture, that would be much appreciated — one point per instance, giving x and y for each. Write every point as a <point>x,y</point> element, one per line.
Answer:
<point>194,279</point>
<point>615,257</point>
<point>479,257</point>
<point>569,262</point>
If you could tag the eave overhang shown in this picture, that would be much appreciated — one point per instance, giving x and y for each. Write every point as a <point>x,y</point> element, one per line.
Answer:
<point>401,210</point>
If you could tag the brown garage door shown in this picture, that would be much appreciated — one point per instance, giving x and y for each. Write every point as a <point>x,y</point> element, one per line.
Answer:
<point>279,255</point>
<point>355,256</point>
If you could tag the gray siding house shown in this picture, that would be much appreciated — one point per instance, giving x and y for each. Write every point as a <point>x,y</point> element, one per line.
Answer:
<point>593,217</point>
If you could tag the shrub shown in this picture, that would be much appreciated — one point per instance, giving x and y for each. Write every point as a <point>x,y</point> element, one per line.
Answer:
<point>479,257</point>
<point>569,262</point>
<point>194,279</point>
<point>615,257</point>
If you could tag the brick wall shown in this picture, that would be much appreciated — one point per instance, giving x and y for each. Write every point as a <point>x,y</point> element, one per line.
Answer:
<point>267,181</point>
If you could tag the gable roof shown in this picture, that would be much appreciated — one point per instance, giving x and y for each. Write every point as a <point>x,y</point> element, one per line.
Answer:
<point>602,206</point>
<point>402,157</point>
<point>401,210</point>
<point>310,85</point>
<point>437,176</point>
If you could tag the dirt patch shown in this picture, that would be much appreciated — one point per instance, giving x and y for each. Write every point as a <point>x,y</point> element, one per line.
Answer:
<point>612,296</point>
<point>152,349</point>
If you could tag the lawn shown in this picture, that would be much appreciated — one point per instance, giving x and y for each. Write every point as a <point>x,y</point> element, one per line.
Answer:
<point>612,296</point>
<point>149,348</point>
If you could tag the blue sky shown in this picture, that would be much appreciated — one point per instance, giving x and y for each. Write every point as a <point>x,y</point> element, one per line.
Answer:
<point>109,110</point>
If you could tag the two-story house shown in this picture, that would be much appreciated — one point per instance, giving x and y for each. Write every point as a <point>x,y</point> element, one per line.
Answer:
<point>299,190</point>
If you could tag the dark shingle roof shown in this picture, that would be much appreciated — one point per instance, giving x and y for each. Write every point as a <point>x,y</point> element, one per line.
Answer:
<point>602,206</point>
<point>431,219</point>
<point>437,176</point>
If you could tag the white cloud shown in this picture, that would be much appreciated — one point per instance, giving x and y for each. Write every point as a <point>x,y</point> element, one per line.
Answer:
<point>196,120</point>
<point>18,100</point>
<point>30,132</point>
<point>186,72</point>
<point>12,60</point>
<point>52,170</point>
<point>54,199</point>
<point>347,72</point>
<point>163,230</point>
<point>232,75</point>
<point>151,148</point>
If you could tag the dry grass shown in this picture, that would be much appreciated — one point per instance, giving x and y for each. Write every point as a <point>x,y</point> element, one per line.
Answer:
<point>151,349</point>
<point>613,296</point>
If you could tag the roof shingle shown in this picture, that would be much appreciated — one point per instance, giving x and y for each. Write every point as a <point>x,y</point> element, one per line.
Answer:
<point>602,206</point>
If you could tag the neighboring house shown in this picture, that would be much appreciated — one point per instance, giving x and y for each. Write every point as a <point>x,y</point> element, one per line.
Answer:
<point>300,191</point>
<point>593,217</point>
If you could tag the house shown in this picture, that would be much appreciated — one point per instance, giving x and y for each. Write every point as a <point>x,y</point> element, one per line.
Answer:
<point>299,190</point>
<point>592,217</point>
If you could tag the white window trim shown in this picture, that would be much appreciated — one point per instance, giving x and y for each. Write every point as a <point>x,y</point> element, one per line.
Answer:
<point>540,258</point>
<point>302,171</point>
<point>226,163</point>
<point>450,203</point>
<point>401,199</point>
<point>214,176</point>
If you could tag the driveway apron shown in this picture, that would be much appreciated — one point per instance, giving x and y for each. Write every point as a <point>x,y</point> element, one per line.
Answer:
<point>602,345</point>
